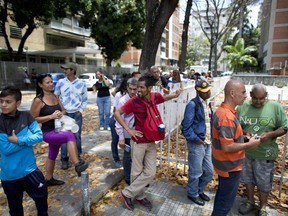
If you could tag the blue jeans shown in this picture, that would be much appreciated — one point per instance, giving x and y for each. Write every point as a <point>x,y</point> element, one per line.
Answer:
<point>115,139</point>
<point>200,168</point>
<point>104,109</point>
<point>78,118</point>
<point>226,193</point>
<point>127,162</point>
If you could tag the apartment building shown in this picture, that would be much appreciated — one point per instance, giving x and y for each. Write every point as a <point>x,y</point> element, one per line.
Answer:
<point>195,31</point>
<point>274,36</point>
<point>168,50</point>
<point>62,40</point>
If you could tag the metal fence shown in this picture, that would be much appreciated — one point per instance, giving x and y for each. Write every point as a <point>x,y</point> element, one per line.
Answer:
<point>172,113</point>
<point>12,73</point>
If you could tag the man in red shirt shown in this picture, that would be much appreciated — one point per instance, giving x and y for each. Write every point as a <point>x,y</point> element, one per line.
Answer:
<point>143,150</point>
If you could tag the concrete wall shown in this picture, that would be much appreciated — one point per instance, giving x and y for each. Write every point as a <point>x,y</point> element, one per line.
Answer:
<point>269,80</point>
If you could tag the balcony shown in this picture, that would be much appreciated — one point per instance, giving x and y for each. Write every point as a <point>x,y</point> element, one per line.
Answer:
<point>68,27</point>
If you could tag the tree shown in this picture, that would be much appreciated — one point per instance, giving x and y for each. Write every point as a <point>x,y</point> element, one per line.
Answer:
<point>197,49</point>
<point>157,16</point>
<point>210,18</point>
<point>28,15</point>
<point>115,25</point>
<point>238,55</point>
<point>183,54</point>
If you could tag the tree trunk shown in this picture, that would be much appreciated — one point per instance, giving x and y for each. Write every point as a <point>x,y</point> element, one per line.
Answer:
<point>182,59</point>
<point>157,16</point>
<point>28,32</point>
<point>241,21</point>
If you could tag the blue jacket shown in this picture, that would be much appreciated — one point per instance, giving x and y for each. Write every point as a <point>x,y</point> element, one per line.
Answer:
<point>193,126</point>
<point>18,160</point>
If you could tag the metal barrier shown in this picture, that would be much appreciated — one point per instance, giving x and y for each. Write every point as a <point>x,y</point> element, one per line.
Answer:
<point>172,113</point>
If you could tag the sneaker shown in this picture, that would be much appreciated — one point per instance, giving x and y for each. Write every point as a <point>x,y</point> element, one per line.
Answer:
<point>263,212</point>
<point>80,167</point>
<point>108,128</point>
<point>128,201</point>
<point>145,202</point>
<point>64,165</point>
<point>101,128</point>
<point>246,207</point>
<point>118,164</point>
<point>54,182</point>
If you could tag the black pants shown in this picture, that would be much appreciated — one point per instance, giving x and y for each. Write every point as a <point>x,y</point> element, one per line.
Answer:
<point>35,186</point>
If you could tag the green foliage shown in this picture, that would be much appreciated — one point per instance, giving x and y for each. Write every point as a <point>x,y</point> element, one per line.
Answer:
<point>118,64</point>
<point>116,25</point>
<point>197,50</point>
<point>238,55</point>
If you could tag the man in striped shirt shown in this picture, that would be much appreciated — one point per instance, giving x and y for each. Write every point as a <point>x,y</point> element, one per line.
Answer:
<point>228,147</point>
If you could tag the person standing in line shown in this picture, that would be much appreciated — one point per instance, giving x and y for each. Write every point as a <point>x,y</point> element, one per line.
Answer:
<point>228,147</point>
<point>196,130</point>
<point>102,87</point>
<point>47,107</point>
<point>18,168</point>
<point>72,92</point>
<point>124,136</point>
<point>268,120</point>
<point>143,150</point>
<point>119,92</point>
<point>160,81</point>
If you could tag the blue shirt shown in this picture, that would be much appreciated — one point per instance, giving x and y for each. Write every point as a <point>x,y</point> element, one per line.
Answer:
<point>73,95</point>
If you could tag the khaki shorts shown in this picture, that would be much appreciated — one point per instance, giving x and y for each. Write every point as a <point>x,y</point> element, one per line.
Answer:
<point>259,173</point>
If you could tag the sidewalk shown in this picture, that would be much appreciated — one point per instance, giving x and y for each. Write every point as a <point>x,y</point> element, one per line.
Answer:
<point>168,198</point>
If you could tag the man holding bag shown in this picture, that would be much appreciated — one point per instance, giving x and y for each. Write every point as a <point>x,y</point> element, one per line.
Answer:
<point>143,148</point>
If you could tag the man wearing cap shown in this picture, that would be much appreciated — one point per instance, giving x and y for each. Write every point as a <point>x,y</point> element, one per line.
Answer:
<point>196,129</point>
<point>73,95</point>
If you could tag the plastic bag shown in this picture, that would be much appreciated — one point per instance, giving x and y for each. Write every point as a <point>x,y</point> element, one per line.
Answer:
<point>69,124</point>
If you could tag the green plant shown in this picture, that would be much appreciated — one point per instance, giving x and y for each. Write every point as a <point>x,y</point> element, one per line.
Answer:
<point>280,83</point>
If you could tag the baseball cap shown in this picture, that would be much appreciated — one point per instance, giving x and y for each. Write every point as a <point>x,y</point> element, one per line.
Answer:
<point>70,65</point>
<point>202,86</point>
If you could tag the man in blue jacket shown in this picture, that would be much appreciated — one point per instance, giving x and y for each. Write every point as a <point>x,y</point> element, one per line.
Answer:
<point>196,129</point>
<point>18,169</point>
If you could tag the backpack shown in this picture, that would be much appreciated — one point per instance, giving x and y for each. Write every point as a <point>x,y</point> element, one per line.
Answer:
<point>153,121</point>
<point>196,109</point>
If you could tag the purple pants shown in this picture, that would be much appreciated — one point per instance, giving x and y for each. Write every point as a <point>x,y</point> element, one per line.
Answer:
<point>55,140</point>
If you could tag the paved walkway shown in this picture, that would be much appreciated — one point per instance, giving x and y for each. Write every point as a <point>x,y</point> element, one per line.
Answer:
<point>66,200</point>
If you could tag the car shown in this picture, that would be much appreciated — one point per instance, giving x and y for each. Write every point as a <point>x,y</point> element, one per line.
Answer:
<point>90,79</point>
<point>227,73</point>
<point>56,77</point>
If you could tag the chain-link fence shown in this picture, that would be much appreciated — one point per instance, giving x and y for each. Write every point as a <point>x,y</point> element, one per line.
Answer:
<point>13,73</point>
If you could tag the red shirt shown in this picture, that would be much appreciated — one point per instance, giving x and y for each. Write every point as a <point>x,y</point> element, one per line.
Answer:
<point>137,106</point>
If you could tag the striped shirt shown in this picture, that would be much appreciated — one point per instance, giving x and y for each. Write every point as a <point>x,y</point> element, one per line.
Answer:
<point>226,131</point>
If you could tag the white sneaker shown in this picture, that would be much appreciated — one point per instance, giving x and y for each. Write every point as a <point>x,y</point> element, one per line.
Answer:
<point>101,128</point>
<point>108,128</point>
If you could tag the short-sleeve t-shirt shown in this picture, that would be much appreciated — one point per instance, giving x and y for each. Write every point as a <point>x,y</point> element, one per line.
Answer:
<point>267,118</point>
<point>226,130</point>
<point>137,106</point>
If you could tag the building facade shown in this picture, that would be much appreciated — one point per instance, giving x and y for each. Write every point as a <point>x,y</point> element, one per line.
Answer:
<point>274,36</point>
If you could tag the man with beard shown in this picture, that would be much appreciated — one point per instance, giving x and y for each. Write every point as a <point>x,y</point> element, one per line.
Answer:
<point>143,150</point>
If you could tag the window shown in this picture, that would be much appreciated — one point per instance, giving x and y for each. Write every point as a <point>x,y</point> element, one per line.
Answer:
<point>15,32</point>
